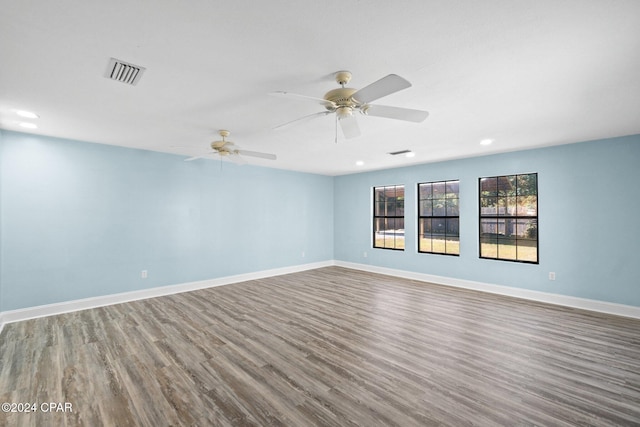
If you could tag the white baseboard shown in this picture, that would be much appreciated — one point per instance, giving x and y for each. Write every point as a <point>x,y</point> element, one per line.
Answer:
<point>101,301</point>
<point>556,299</point>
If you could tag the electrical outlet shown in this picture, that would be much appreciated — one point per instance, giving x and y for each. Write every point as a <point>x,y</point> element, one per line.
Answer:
<point>143,274</point>
<point>552,275</point>
<point>364,254</point>
<point>302,254</point>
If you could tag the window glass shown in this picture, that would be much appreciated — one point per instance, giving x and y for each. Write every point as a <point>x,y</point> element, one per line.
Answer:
<point>438,217</point>
<point>509,217</point>
<point>388,217</point>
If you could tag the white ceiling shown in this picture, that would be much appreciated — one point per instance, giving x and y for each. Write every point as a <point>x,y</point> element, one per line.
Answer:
<point>524,73</point>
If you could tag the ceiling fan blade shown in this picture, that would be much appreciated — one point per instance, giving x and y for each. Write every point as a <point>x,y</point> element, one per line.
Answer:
<point>397,113</point>
<point>349,126</point>
<point>383,87</point>
<point>235,158</point>
<point>302,119</point>
<point>324,102</point>
<point>199,156</point>
<point>257,154</point>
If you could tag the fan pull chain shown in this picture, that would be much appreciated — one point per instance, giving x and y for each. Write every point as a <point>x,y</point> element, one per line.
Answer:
<point>336,136</point>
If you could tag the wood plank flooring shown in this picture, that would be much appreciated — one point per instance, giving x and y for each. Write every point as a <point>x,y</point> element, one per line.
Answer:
<point>328,347</point>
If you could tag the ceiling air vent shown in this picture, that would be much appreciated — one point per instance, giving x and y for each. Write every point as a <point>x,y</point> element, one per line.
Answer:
<point>396,153</point>
<point>124,72</point>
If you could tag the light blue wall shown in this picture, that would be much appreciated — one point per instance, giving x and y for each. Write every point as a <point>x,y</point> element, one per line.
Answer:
<point>589,220</point>
<point>80,220</point>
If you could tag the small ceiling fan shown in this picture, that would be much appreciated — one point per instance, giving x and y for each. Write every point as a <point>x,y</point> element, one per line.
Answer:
<point>227,149</point>
<point>345,102</point>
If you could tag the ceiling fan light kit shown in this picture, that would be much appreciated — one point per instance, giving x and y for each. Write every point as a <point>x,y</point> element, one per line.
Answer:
<point>344,112</point>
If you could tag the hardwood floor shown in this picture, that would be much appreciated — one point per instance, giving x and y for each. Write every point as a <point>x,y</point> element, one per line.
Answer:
<point>331,347</point>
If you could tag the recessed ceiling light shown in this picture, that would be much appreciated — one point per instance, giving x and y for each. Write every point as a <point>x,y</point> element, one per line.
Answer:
<point>486,141</point>
<point>410,154</point>
<point>359,163</point>
<point>27,114</point>
<point>29,125</point>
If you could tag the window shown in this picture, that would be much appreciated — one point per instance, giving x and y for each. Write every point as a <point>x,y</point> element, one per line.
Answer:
<point>388,217</point>
<point>439,217</point>
<point>509,217</point>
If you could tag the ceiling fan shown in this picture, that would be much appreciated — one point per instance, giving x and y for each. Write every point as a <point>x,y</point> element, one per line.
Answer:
<point>227,149</point>
<point>345,102</point>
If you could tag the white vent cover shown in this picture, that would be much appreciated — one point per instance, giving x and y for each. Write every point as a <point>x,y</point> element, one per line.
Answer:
<point>124,72</point>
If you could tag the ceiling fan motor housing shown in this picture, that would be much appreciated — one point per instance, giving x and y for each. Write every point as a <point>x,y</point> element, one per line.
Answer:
<point>219,145</point>
<point>342,102</point>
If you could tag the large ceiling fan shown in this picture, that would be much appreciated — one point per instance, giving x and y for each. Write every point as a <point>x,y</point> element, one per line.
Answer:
<point>345,102</point>
<point>227,149</point>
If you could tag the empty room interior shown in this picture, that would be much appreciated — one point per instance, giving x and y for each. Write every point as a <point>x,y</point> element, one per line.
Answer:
<point>335,213</point>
